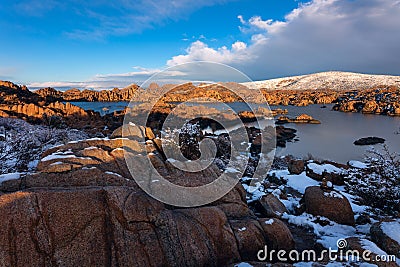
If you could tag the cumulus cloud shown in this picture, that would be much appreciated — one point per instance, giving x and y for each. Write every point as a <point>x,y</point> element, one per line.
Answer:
<point>348,35</point>
<point>200,51</point>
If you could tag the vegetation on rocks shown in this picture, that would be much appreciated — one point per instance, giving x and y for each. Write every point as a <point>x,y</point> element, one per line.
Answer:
<point>378,185</point>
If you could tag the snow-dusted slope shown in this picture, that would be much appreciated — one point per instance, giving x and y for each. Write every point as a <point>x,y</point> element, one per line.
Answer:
<point>327,80</point>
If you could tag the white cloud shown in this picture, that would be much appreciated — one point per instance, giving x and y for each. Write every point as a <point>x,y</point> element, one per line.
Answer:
<point>200,51</point>
<point>351,35</point>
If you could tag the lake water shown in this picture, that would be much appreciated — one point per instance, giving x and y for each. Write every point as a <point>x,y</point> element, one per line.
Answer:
<point>332,139</point>
<point>102,107</point>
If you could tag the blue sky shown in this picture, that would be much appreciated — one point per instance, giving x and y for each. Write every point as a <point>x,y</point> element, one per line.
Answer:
<point>100,44</point>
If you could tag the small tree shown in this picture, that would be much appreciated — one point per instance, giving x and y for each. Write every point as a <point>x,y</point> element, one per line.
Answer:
<point>378,185</point>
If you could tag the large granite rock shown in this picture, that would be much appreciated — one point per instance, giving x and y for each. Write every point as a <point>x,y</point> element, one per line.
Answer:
<point>296,166</point>
<point>270,206</point>
<point>83,208</point>
<point>328,203</point>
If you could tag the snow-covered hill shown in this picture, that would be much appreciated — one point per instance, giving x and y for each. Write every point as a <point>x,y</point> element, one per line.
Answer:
<point>327,80</point>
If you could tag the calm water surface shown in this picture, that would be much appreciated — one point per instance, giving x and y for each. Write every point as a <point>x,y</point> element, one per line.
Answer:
<point>332,139</point>
<point>102,107</point>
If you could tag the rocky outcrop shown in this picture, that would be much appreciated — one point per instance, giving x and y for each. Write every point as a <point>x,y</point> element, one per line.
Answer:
<point>303,118</point>
<point>382,100</point>
<point>284,135</point>
<point>35,111</point>
<point>18,102</point>
<point>326,203</point>
<point>114,95</point>
<point>295,166</point>
<point>57,112</point>
<point>11,93</point>
<point>83,207</point>
<point>270,206</point>
<point>366,141</point>
<point>50,94</point>
<point>333,174</point>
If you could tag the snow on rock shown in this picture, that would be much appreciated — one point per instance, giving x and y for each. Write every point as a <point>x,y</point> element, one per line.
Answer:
<point>358,164</point>
<point>298,182</point>
<point>371,246</point>
<point>243,264</point>
<point>113,173</point>
<point>303,264</point>
<point>269,222</point>
<point>57,163</point>
<point>171,160</point>
<point>89,168</point>
<point>57,156</point>
<point>333,194</point>
<point>9,176</point>
<point>256,192</point>
<point>231,170</point>
<point>392,229</point>
<point>328,235</point>
<point>319,169</point>
<point>351,198</point>
<point>90,148</point>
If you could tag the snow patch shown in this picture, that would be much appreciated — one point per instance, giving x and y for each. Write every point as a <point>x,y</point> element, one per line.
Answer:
<point>89,168</point>
<point>57,163</point>
<point>319,169</point>
<point>269,222</point>
<point>392,229</point>
<point>243,264</point>
<point>57,156</point>
<point>298,182</point>
<point>358,164</point>
<point>231,170</point>
<point>113,173</point>
<point>90,148</point>
<point>328,235</point>
<point>333,194</point>
<point>371,246</point>
<point>9,176</point>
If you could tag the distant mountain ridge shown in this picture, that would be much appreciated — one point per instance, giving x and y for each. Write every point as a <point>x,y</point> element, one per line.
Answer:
<point>333,80</point>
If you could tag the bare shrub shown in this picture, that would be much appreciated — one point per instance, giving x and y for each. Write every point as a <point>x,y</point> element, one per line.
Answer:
<point>22,144</point>
<point>378,185</point>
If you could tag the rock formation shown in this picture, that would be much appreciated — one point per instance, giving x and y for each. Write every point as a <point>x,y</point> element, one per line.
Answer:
<point>382,100</point>
<point>326,202</point>
<point>366,141</point>
<point>303,118</point>
<point>83,208</point>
